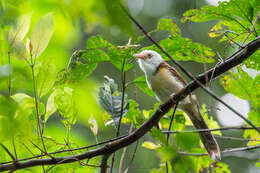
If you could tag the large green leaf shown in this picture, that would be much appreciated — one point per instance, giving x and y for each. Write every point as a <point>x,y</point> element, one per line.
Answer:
<point>50,107</point>
<point>41,34</point>
<point>242,85</point>
<point>19,30</point>
<point>142,84</point>
<point>122,56</point>
<point>45,77</point>
<point>65,104</point>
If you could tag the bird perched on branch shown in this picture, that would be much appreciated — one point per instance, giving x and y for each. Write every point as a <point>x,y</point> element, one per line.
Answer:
<point>164,80</point>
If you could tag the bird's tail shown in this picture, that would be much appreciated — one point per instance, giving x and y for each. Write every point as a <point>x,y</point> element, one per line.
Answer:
<point>207,138</point>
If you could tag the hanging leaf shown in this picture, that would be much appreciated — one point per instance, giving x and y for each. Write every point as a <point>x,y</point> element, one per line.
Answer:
<point>111,100</point>
<point>41,34</point>
<point>142,84</point>
<point>19,30</point>
<point>50,107</point>
<point>45,77</point>
<point>65,104</point>
<point>93,125</point>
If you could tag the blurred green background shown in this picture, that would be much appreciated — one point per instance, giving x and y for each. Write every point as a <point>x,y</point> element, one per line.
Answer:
<point>76,20</point>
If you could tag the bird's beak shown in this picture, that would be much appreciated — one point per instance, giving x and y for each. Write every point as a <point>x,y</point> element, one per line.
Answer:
<point>139,56</point>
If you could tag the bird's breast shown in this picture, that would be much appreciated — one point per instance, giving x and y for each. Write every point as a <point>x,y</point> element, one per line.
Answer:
<point>163,83</point>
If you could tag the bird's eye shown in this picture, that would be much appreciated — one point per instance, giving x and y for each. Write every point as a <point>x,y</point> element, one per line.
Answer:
<point>149,55</point>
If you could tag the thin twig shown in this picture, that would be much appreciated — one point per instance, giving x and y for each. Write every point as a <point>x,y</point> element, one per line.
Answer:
<point>234,138</point>
<point>251,29</point>
<point>210,130</point>
<point>104,163</point>
<point>124,152</point>
<point>225,34</point>
<point>121,110</point>
<point>168,135</point>
<point>62,151</point>
<point>9,78</point>
<point>15,153</point>
<point>133,156</point>
<point>224,151</point>
<point>187,72</point>
<point>8,152</point>
<point>137,142</point>
<point>32,65</point>
<point>27,149</point>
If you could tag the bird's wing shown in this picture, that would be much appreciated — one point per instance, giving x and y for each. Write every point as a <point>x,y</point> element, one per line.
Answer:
<point>174,73</point>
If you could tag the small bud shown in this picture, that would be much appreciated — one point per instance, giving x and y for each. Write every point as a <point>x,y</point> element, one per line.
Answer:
<point>29,45</point>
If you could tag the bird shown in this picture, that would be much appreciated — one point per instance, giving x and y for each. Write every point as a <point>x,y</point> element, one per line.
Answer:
<point>164,80</point>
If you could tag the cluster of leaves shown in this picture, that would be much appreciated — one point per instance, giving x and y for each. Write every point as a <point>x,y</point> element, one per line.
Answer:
<point>180,48</point>
<point>235,19</point>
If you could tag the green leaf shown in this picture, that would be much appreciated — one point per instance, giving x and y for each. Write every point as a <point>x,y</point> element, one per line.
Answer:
<point>97,42</point>
<point>19,30</point>
<point>45,77</point>
<point>254,116</point>
<point>50,107</point>
<point>142,84</point>
<point>111,100</point>
<point>93,125</point>
<point>242,85</point>
<point>253,61</point>
<point>166,152</point>
<point>187,141</point>
<point>65,104</point>
<point>212,124</point>
<point>41,34</point>
<point>183,49</point>
<point>150,145</point>
<point>133,112</point>
<point>122,57</point>
<point>169,25</point>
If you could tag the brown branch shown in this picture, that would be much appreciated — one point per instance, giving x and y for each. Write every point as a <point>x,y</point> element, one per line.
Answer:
<point>210,130</point>
<point>104,164</point>
<point>8,152</point>
<point>237,58</point>
<point>187,72</point>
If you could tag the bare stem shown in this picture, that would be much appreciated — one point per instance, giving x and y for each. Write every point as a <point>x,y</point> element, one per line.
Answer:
<point>40,131</point>
<point>168,135</point>
<point>9,78</point>
<point>121,111</point>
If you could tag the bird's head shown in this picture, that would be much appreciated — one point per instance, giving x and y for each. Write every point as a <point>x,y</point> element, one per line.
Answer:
<point>149,60</point>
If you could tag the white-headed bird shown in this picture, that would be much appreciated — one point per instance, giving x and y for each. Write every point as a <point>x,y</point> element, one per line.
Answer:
<point>164,80</point>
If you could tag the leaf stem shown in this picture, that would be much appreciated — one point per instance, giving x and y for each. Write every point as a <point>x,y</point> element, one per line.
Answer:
<point>9,79</point>
<point>121,111</point>
<point>168,135</point>
<point>40,131</point>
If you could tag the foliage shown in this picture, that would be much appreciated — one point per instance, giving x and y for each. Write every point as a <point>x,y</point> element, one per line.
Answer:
<point>65,88</point>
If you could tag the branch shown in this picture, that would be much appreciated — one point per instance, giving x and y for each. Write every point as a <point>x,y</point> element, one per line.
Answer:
<point>237,58</point>
<point>104,164</point>
<point>210,130</point>
<point>224,151</point>
<point>187,72</point>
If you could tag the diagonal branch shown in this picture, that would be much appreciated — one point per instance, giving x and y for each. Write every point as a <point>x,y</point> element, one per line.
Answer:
<point>237,58</point>
<point>185,71</point>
